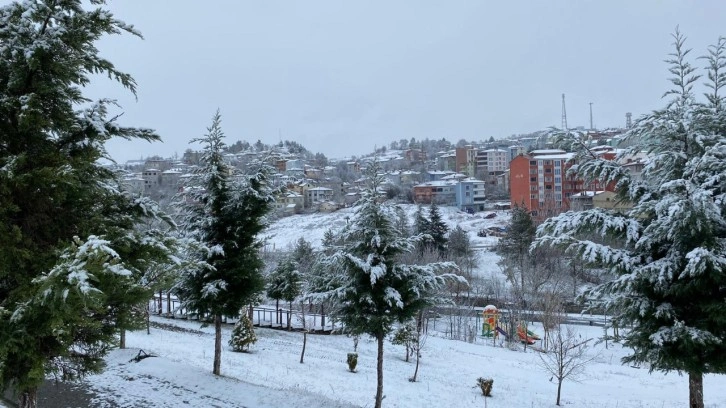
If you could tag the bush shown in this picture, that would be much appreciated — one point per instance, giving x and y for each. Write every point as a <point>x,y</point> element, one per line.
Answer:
<point>352,361</point>
<point>243,334</point>
<point>486,385</point>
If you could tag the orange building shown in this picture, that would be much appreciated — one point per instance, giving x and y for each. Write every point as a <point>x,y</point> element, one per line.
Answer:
<point>539,181</point>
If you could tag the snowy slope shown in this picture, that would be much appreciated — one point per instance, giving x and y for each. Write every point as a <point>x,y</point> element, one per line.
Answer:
<point>271,375</point>
<point>283,233</point>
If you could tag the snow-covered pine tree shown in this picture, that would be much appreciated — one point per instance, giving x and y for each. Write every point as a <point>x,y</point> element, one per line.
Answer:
<point>224,211</point>
<point>55,198</point>
<point>372,289</point>
<point>669,250</point>
<point>284,284</point>
<point>243,334</point>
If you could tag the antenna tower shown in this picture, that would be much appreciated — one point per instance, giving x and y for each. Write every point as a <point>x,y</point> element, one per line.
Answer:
<point>628,120</point>
<point>591,127</point>
<point>564,114</point>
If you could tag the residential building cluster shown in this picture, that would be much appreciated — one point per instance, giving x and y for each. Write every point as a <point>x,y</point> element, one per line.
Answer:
<point>521,169</point>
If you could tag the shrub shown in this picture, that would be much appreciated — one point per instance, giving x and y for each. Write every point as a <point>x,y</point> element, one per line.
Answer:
<point>486,385</point>
<point>352,361</point>
<point>243,334</point>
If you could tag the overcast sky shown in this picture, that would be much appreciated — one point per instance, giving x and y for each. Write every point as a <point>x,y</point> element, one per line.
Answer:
<point>341,77</point>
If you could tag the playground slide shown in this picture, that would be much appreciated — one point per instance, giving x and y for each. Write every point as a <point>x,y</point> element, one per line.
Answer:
<point>524,338</point>
<point>500,330</point>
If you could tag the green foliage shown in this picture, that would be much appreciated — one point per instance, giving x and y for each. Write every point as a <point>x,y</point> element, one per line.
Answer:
<point>55,197</point>
<point>668,251</point>
<point>284,281</point>
<point>243,335</point>
<point>405,335</point>
<point>223,211</point>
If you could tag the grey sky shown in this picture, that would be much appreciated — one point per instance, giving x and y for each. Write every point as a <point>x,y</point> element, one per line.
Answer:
<point>342,76</point>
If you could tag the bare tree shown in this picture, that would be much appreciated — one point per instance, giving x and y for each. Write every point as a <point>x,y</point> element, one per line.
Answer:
<point>419,343</point>
<point>566,357</point>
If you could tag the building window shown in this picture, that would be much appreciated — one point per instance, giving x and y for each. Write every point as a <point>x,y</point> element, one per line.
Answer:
<point>533,196</point>
<point>539,162</point>
<point>533,179</point>
<point>548,187</point>
<point>558,196</point>
<point>467,194</point>
<point>558,163</point>
<point>532,163</point>
<point>548,179</point>
<point>558,171</point>
<point>548,170</point>
<point>558,188</point>
<point>547,162</point>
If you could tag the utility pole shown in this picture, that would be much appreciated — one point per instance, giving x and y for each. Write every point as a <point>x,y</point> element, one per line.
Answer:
<point>564,114</point>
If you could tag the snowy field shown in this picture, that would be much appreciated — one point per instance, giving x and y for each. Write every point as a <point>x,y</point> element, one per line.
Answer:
<point>271,375</point>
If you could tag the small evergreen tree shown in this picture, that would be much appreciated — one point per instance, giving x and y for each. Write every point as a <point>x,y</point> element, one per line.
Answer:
<point>372,289</point>
<point>243,334</point>
<point>224,212</point>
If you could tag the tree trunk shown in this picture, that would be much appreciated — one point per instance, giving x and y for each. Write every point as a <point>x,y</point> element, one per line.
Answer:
<point>168,304</point>
<point>28,398</point>
<point>418,356</point>
<point>559,388</point>
<point>407,352</point>
<point>217,345</point>
<point>289,316</point>
<point>695,390</point>
<point>148,319</point>
<point>379,369</point>
<point>277,312</point>
<point>305,342</point>
<point>122,339</point>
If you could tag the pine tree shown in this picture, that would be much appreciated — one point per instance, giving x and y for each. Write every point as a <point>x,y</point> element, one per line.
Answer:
<point>513,247</point>
<point>66,276</point>
<point>669,250</point>
<point>437,229</point>
<point>224,212</point>
<point>284,283</point>
<point>243,334</point>
<point>372,289</point>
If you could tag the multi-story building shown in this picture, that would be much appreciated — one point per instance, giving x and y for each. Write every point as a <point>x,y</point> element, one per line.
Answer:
<point>491,162</point>
<point>540,183</point>
<point>439,192</point>
<point>470,194</point>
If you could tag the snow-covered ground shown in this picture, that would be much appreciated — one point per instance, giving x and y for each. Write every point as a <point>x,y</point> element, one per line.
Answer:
<point>271,375</point>
<point>285,232</point>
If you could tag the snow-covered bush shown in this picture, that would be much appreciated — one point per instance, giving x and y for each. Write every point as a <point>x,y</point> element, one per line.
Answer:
<point>352,361</point>
<point>243,334</point>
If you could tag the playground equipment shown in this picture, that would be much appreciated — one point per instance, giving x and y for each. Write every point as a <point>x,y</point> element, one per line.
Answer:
<point>490,315</point>
<point>491,328</point>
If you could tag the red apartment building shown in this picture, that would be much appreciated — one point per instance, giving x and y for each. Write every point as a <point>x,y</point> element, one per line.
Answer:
<point>539,180</point>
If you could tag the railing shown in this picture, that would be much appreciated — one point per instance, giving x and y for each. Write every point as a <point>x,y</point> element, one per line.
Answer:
<point>168,305</point>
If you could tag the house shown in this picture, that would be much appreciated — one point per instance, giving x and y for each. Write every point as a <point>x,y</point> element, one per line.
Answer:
<point>318,194</point>
<point>439,192</point>
<point>470,194</point>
